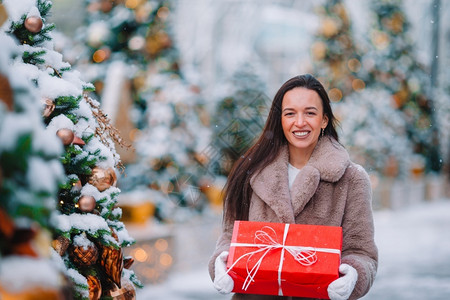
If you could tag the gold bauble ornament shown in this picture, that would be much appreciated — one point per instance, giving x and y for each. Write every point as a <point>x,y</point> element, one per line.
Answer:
<point>103,179</point>
<point>6,92</point>
<point>49,107</point>
<point>95,287</point>
<point>86,203</point>
<point>84,256</point>
<point>66,135</point>
<point>33,24</point>
<point>60,244</point>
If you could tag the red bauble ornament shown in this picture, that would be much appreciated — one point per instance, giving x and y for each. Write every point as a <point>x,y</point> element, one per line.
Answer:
<point>66,135</point>
<point>86,203</point>
<point>34,24</point>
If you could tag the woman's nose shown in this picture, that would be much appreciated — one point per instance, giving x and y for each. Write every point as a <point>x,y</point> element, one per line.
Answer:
<point>299,120</point>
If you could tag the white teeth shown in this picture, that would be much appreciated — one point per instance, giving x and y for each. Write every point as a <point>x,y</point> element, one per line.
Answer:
<point>303,133</point>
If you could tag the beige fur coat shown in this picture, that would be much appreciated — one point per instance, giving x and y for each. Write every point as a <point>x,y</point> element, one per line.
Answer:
<point>329,190</point>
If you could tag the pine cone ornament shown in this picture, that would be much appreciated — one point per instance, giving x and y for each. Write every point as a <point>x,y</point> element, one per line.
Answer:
<point>84,256</point>
<point>127,262</point>
<point>112,262</point>
<point>60,244</point>
<point>95,287</point>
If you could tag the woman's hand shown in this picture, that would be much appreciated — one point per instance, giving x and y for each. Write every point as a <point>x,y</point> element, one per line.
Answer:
<point>222,281</point>
<point>342,288</point>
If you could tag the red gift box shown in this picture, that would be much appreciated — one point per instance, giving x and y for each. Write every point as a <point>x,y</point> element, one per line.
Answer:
<point>284,259</point>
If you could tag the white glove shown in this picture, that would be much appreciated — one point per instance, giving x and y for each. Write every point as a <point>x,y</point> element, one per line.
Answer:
<point>342,288</point>
<point>222,281</point>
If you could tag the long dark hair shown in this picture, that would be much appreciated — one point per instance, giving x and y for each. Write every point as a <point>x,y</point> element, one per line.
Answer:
<point>237,191</point>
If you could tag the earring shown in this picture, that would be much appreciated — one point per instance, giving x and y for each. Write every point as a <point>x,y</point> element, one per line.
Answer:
<point>323,130</point>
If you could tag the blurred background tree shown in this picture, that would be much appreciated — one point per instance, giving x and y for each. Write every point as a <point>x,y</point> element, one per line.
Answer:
<point>391,63</point>
<point>336,58</point>
<point>153,105</point>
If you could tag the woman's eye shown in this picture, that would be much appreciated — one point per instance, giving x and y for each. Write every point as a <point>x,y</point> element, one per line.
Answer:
<point>311,113</point>
<point>289,114</point>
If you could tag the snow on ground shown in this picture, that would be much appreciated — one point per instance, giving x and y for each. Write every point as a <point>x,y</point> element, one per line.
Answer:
<point>414,248</point>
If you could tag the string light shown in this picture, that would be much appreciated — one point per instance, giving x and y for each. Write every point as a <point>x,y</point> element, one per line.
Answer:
<point>335,94</point>
<point>161,245</point>
<point>99,56</point>
<point>358,84</point>
<point>165,259</point>
<point>132,4</point>
<point>153,259</point>
<point>354,65</point>
<point>163,12</point>
<point>134,134</point>
<point>136,43</point>
<point>140,255</point>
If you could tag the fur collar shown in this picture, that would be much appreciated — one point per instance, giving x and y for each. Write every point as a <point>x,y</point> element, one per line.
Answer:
<point>328,162</point>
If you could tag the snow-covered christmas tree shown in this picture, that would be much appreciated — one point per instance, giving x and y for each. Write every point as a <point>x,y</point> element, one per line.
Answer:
<point>170,119</point>
<point>239,118</point>
<point>375,132</point>
<point>87,233</point>
<point>336,59</point>
<point>391,63</point>
<point>118,31</point>
<point>30,172</point>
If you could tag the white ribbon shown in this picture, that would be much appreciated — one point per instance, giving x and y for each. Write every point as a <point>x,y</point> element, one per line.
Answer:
<point>266,242</point>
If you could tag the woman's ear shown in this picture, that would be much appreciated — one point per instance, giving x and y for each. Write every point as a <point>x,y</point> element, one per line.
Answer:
<point>324,121</point>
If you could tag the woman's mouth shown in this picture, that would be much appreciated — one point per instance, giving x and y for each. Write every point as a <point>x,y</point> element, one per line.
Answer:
<point>300,133</point>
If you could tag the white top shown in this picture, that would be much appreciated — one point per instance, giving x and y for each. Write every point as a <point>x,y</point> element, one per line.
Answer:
<point>292,171</point>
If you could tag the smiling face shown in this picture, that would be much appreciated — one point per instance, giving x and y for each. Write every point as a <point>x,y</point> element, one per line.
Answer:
<point>302,119</point>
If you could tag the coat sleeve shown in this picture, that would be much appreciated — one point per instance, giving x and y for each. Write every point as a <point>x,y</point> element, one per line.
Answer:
<point>223,244</point>
<point>359,249</point>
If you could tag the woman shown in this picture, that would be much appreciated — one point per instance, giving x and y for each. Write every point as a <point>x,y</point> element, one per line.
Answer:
<point>297,172</point>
